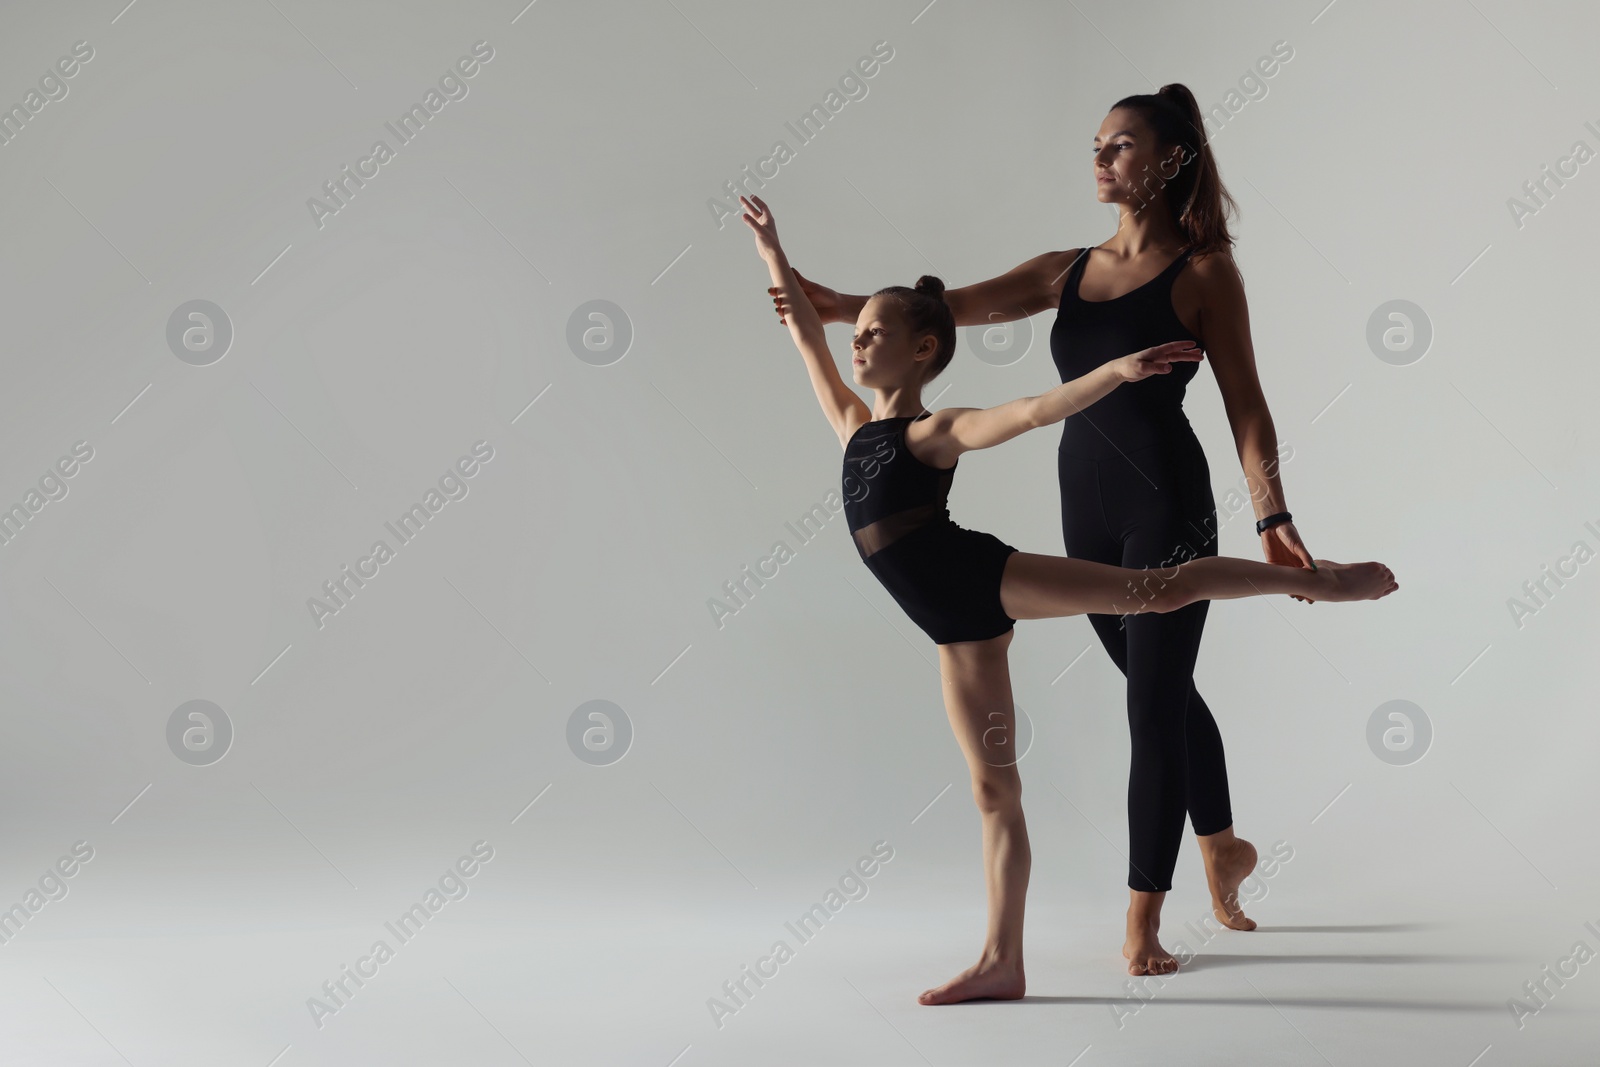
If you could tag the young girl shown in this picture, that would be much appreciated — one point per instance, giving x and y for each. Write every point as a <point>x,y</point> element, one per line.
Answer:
<point>964,588</point>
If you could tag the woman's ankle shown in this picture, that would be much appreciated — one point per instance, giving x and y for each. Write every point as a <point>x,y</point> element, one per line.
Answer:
<point>1222,839</point>
<point>1145,906</point>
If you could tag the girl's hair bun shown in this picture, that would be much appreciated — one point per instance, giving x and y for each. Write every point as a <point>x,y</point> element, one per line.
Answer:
<point>931,286</point>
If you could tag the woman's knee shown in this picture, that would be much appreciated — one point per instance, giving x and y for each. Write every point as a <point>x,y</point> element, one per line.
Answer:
<point>1156,717</point>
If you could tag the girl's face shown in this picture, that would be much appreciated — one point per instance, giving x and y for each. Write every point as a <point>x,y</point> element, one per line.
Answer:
<point>883,353</point>
<point>1129,166</point>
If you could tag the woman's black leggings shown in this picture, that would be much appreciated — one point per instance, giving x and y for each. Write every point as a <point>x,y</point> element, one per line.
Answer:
<point>1153,508</point>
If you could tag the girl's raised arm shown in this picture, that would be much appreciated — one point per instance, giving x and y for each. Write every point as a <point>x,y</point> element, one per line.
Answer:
<point>844,410</point>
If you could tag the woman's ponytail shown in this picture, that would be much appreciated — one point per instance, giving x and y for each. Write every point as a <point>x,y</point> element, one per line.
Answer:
<point>1199,202</point>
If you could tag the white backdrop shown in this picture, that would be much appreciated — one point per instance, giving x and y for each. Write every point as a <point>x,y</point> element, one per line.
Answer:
<point>350,362</point>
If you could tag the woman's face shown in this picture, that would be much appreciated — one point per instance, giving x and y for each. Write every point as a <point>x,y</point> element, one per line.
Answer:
<point>1129,166</point>
<point>883,352</point>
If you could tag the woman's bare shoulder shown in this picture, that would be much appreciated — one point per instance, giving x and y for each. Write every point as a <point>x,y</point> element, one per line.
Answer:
<point>1057,264</point>
<point>1214,263</point>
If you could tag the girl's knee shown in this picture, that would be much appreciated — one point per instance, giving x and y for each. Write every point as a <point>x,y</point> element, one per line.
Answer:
<point>997,790</point>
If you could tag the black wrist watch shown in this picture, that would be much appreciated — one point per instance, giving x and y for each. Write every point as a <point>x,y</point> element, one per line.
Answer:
<point>1262,525</point>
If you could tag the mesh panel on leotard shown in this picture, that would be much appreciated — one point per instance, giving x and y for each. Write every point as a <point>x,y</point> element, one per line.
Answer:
<point>886,531</point>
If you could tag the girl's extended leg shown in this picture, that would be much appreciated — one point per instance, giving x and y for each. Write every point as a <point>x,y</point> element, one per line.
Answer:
<point>977,698</point>
<point>1036,586</point>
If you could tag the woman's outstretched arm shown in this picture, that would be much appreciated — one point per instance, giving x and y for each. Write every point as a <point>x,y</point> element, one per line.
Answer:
<point>844,410</point>
<point>1026,289</point>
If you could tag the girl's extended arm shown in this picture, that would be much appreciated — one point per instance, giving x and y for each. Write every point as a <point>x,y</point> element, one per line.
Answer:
<point>967,429</point>
<point>842,407</point>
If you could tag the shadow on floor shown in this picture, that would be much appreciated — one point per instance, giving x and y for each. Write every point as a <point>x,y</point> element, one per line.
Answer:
<point>1208,960</point>
<point>1337,1003</point>
<point>1372,928</point>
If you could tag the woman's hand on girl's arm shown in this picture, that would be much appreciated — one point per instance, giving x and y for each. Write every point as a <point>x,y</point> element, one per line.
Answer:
<point>831,306</point>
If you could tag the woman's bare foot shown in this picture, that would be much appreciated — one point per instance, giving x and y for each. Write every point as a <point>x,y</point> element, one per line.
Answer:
<point>988,979</point>
<point>1354,581</point>
<point>1229,861</point>
<point>1143,945</point>
<point>1145,954</point>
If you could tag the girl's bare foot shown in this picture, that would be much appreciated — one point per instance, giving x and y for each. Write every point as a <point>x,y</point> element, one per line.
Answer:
<point>1354,581</point>
<point>1143,947</point>
<point>988,979</point>
<point>1228,862</point>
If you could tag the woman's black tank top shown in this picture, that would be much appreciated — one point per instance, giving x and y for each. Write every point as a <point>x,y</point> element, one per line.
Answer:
<point>1087,333</point>
<point>888,492</point>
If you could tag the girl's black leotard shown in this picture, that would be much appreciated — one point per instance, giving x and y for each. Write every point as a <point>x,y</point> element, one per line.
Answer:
<point>946,577</point>
<point>1136,492</point>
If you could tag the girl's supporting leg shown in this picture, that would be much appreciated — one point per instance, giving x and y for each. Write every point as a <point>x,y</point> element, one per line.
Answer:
<point>977,698</point>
